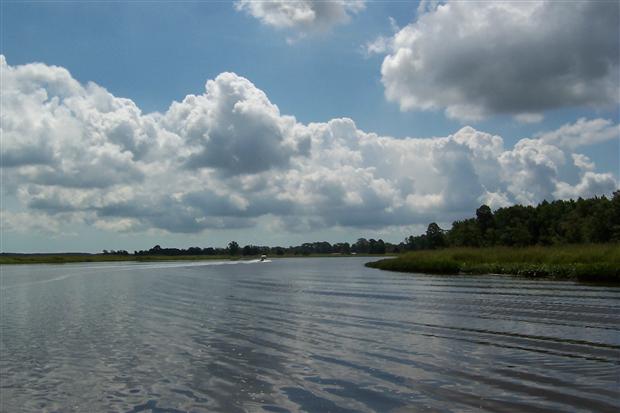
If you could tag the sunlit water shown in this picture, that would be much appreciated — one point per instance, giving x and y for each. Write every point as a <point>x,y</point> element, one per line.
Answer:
<point>317,335</point>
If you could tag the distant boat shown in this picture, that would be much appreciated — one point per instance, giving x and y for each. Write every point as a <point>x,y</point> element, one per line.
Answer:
<point>263,257</point>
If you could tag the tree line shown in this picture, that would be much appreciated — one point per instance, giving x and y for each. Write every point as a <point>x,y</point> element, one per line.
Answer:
<point>361,246</point>
<point>592,220</point>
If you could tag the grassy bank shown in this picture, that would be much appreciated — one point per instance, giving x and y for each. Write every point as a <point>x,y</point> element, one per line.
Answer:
<point>591,262</point>
<point>74,258</point>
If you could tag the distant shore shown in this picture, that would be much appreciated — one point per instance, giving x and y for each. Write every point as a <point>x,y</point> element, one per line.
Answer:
<point>585,262</point>
<point>68,258</point>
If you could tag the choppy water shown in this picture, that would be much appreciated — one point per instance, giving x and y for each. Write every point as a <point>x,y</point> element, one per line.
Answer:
<point>317,335</point>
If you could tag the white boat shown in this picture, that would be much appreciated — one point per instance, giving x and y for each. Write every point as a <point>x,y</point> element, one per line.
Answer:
<point>263,257</point>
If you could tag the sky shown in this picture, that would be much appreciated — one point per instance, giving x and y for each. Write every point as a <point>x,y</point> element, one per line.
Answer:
<point>194,123</point>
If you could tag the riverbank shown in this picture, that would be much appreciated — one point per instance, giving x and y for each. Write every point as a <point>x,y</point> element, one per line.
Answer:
<point>591,262</point>
<point>78,257</point>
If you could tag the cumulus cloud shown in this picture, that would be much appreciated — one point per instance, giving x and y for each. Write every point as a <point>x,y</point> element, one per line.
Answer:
<point>233,127</point>
<point>589,185</point>
<point>584,132</point>
<point>25,222</point>
<point>58,132</point>
<point>227,158</point>
<point>302,16</point>
<point>474,59</point>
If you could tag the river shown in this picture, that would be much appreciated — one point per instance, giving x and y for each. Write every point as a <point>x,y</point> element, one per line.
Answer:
<point>302,334</point>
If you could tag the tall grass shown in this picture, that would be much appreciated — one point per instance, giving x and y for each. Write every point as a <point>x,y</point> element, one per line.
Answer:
<point>586,262</point>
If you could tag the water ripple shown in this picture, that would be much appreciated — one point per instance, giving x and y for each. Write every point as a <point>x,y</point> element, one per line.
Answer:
<point>297,335</point>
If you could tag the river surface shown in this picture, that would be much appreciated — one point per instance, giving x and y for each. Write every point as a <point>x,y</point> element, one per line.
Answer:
<point>293,335</point>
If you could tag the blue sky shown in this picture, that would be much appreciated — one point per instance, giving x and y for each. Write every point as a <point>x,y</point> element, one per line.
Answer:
<point>155,53</point>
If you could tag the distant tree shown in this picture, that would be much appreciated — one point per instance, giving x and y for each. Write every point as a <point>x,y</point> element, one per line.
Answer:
<point>253,250</point>
<point>409,243</point>
<point>378,247</point>
<point>233,248</point>
<point>465,233</point>
<point>435,236</point>
<point>615,217</point>
<point>342,247</point>
<point>419,242</point>
<point>484,218</point>
<point>194,251</point>
<point>361,246</point>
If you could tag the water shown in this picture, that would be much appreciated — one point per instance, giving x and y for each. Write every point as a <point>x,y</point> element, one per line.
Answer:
<point>316,335</point>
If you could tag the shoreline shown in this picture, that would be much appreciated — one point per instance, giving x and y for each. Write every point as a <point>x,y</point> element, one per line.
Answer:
<point>586,263</point>
<point>19,259</point>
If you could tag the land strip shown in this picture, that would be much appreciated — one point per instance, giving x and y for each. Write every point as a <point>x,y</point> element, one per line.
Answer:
<point>584,262</point>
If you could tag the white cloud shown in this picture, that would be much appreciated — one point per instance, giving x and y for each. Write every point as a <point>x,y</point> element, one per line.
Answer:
<point>58,132</point>
<point>529,117</point>
<point>531,170</point>
<point>233,127</point>
<point>118,225</point>
<point>36,222</point>
<point>584,132</point>
<point>228,158</point>
<point>474,59</point>
<point>591,184</point>
<point>302,16</point>
<point>582,162</point>
<point>380,45</point>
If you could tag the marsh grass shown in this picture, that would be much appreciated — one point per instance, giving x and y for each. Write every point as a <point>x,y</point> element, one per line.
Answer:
<point>585,262</point>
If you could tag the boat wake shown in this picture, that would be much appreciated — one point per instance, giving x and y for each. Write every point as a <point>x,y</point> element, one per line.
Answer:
<point>79,270</point>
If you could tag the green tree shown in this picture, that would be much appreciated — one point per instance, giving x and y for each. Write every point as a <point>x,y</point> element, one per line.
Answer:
<point>484,218</point>
<point>361,246</point>
<point>233,248</point>
<point>465,233</point>
<point>615,217</point>
<point>435,236</point>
